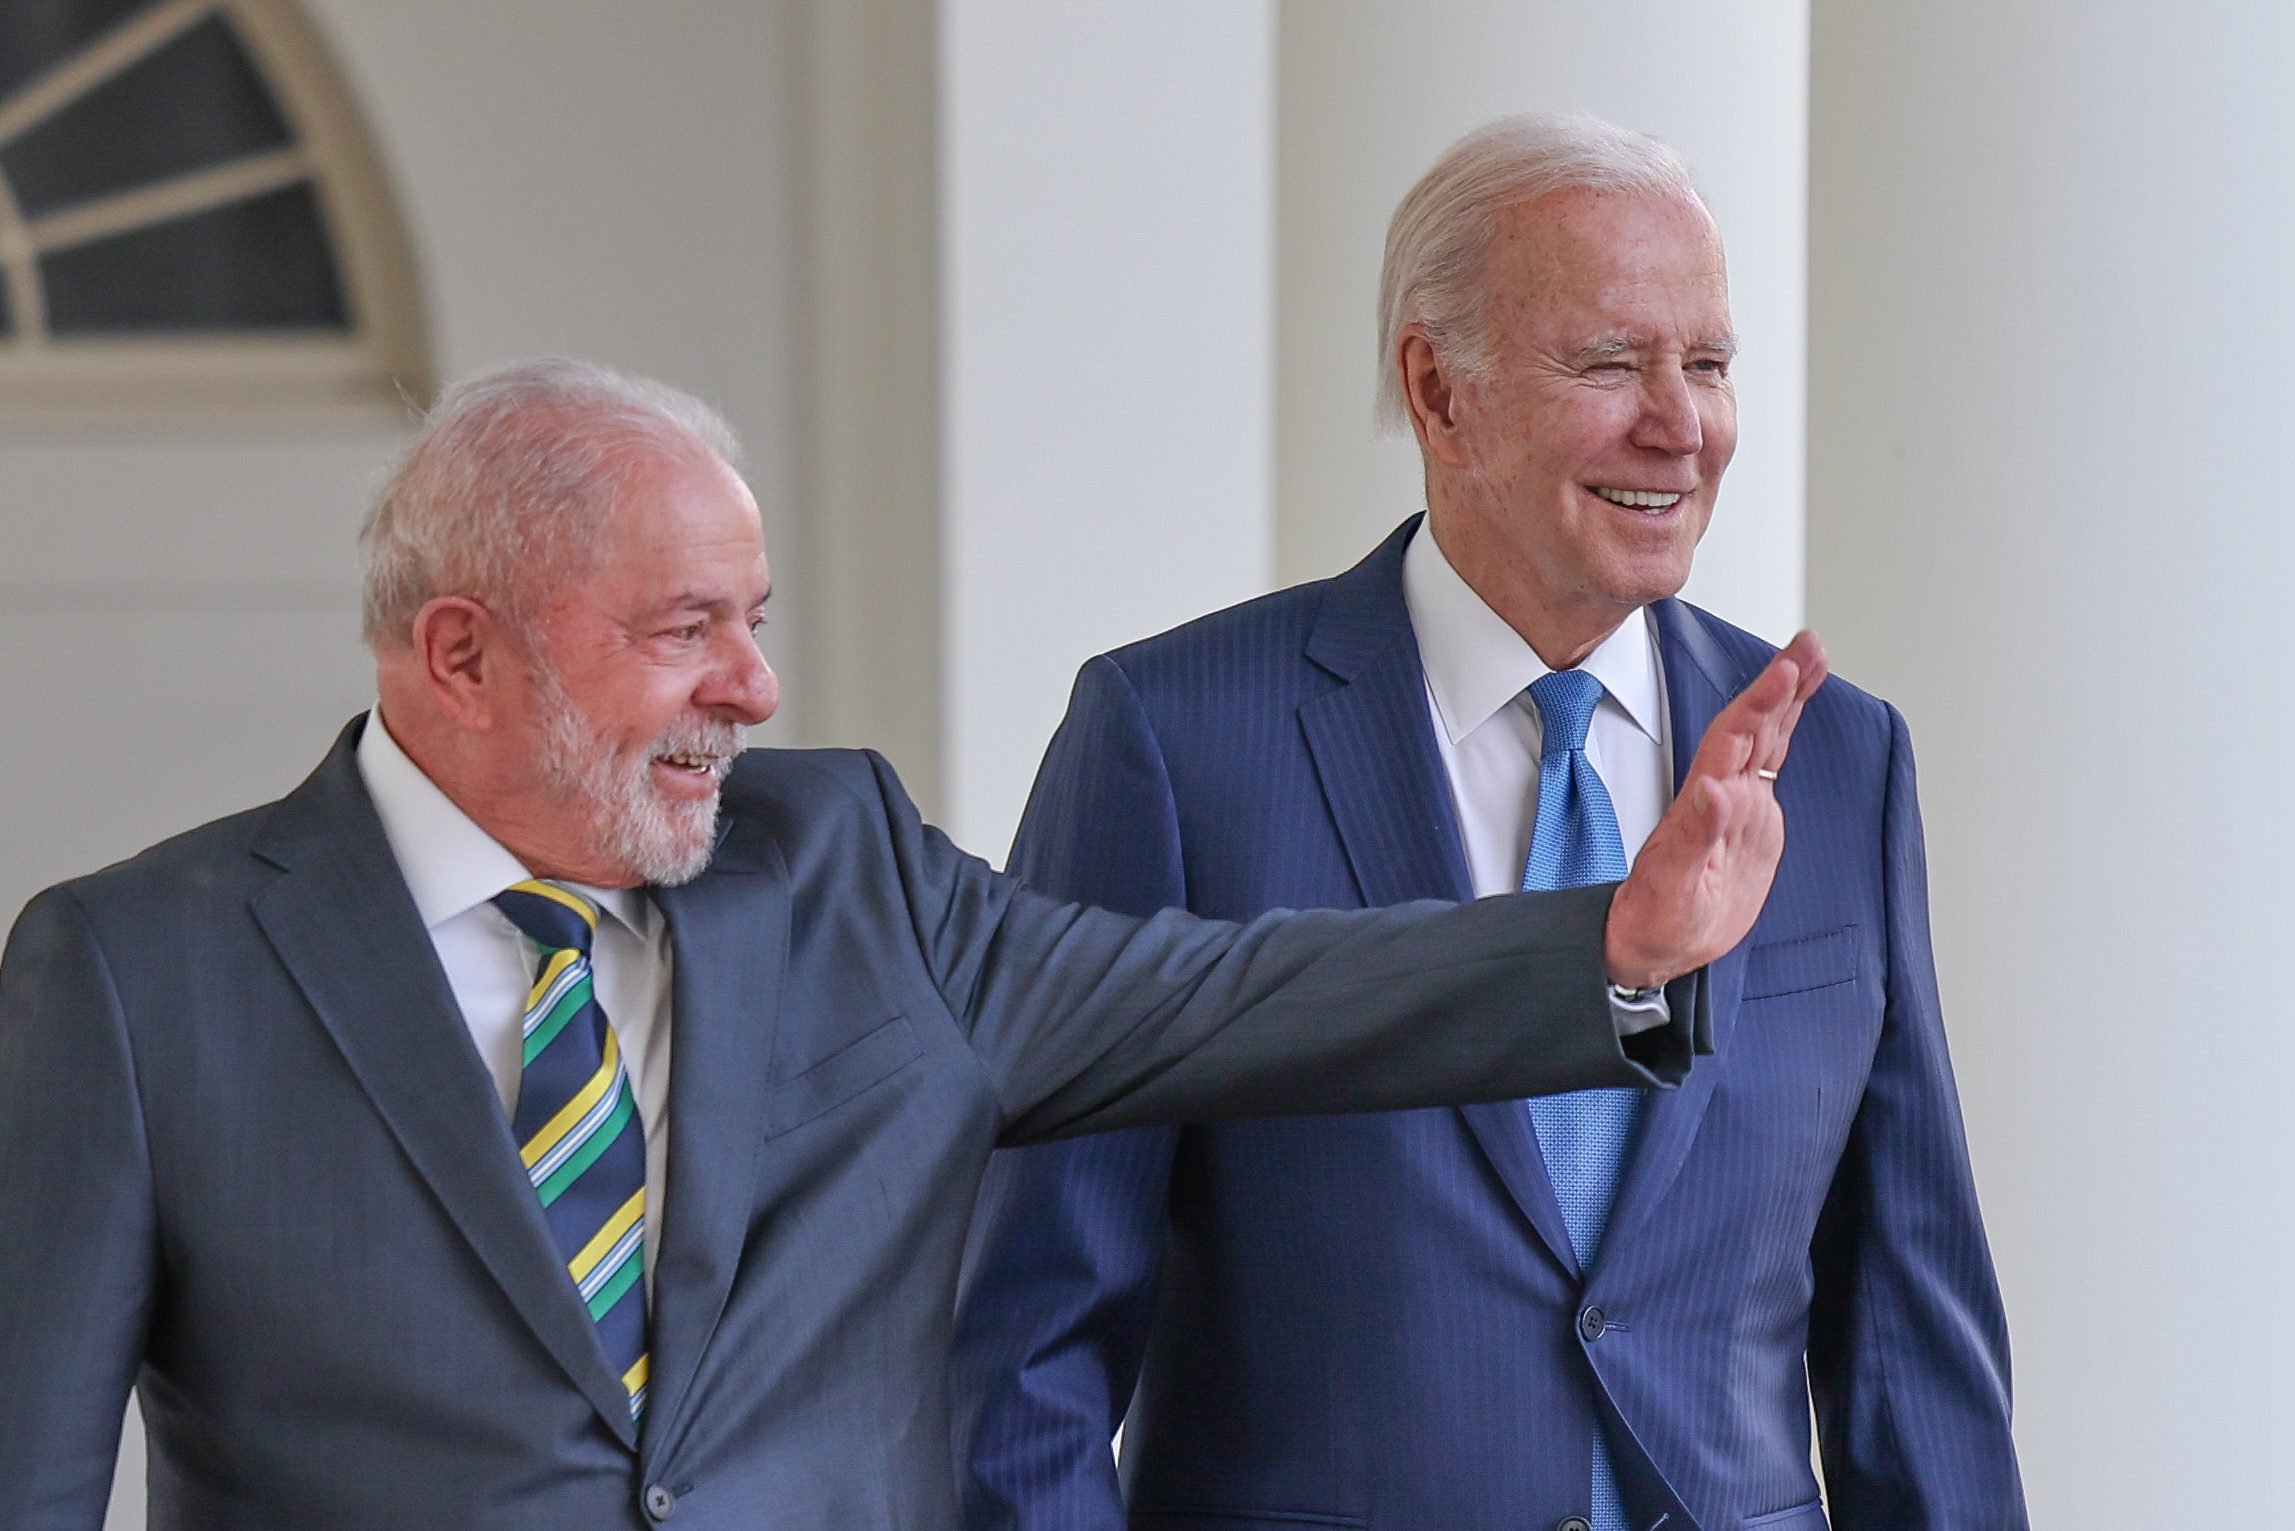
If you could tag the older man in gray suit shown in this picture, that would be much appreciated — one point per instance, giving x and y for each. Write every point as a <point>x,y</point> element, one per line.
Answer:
<point>549,1116</point>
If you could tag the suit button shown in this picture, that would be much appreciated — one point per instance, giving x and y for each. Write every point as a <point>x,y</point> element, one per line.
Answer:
<point>1575,1523</point>
<point>1593,1326</point>
<point>661,1504</point>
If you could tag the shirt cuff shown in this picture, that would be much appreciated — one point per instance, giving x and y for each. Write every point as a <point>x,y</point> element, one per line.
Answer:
<point>1635,1011</point>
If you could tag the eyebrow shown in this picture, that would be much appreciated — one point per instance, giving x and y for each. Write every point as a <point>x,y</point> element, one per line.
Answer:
<point>688,600</point>
<point>1610,346</point>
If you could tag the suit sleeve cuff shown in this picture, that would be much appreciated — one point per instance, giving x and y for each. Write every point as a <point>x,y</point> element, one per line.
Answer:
<point>1638,1010</point>
<point>1667,1036</point>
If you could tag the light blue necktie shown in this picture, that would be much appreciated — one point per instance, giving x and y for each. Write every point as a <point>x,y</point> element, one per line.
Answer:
<point>1583,1135</point>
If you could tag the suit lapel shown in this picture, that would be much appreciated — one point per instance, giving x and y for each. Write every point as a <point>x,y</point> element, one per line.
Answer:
<point>342,921</point>
<point>729,931</point>
<point>1700,680</point>
<point>1384,784</point>
<point>1374,750</point>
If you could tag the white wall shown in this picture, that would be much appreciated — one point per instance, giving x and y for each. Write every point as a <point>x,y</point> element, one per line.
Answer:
<point>179,626</point>
<point>1107,218</point>
<point>1373,90</point>
<point>2049,515</point>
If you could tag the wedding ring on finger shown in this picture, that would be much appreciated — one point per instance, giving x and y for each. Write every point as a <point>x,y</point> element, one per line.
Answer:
<point>1765,773</point>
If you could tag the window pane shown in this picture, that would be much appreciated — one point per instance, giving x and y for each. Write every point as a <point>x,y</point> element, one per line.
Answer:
<point>37,35</point>
<point>196,102</point>
<point>265,263</point>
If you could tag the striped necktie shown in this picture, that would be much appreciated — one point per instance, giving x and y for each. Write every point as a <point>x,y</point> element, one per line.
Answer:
<point>1583,1136</point>
<point>577,1127</point>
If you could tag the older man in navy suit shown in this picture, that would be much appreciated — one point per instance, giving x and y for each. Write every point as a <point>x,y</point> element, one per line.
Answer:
<point>1607,1310</point>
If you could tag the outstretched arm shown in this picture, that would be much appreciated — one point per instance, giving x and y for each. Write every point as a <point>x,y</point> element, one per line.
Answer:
<point>1087,1021</point>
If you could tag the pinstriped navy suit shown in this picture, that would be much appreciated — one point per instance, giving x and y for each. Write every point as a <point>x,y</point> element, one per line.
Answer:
<point>1377,1320</point>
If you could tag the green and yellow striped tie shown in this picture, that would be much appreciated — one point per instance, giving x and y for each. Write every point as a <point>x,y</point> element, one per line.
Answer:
<point>578,1129</point>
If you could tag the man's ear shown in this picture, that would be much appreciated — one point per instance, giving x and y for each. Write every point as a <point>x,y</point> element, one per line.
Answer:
<point>1429,398</point>
<point>460,651</point>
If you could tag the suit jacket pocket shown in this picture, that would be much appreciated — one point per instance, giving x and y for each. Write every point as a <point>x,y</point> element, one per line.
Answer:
<point>869,1060</point>
<point>1165,1519</point>
<point>1802,1517</point>
<point>1801,963</point>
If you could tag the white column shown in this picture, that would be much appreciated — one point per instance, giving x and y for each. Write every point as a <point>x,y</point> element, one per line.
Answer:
<point>2050,516</point>
<point>1107,227</point>
<point>1373,90</point>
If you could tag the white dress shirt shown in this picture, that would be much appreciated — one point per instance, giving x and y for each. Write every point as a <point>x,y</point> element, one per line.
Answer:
<point>1478,676</point>
<point>453,868</point>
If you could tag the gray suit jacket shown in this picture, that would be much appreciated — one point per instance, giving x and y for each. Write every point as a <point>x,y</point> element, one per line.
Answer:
<point>251,1165</point>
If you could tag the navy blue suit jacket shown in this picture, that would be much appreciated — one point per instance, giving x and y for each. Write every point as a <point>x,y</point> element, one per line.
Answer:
<point>1377,1320</point>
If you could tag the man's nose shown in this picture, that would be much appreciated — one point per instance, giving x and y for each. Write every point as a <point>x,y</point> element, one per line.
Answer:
<point>1669,421</point>
<point>744,686</point>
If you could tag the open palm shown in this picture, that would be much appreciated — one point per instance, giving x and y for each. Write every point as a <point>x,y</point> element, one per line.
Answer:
<point>1704,873</point>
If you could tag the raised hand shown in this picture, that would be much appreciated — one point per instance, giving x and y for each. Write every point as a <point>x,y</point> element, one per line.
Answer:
<point>1704,873</point>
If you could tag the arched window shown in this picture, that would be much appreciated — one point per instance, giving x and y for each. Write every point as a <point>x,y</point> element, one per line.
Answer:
<point>191,219</point>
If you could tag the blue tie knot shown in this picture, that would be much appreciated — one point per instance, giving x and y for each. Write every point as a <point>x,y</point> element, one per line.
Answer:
<point>552,917</point>
<point>1566,700</point>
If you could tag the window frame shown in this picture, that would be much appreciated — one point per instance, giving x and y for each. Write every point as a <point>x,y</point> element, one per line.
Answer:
<point>379,365</point>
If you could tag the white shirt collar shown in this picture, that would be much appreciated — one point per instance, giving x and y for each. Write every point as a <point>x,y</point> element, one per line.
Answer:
<point>451,866</point>
<point>1475,663</point>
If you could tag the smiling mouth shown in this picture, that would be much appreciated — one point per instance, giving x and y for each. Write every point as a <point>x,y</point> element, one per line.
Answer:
<point>1654,500</point>
<point>695,764</point>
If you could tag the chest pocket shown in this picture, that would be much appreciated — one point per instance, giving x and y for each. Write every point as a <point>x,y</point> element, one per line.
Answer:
<point>869,1060</point>
<point>1802,963</point>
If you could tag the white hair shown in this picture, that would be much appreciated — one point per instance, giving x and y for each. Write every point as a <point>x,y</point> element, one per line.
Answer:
<point>1440,238</point>
<point>502,494</point>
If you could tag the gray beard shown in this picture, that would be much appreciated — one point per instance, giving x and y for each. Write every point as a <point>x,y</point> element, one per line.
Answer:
<point>649,837</point>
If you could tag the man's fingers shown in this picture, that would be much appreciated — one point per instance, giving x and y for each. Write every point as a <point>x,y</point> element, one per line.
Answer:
<point>1754,732</point>
<point>1796,672</point>
<point>1810,666</point>
<point>1739,736</point>
<point>1700,878</point>
<point>1808,651</point>
<point>1808,656</point>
